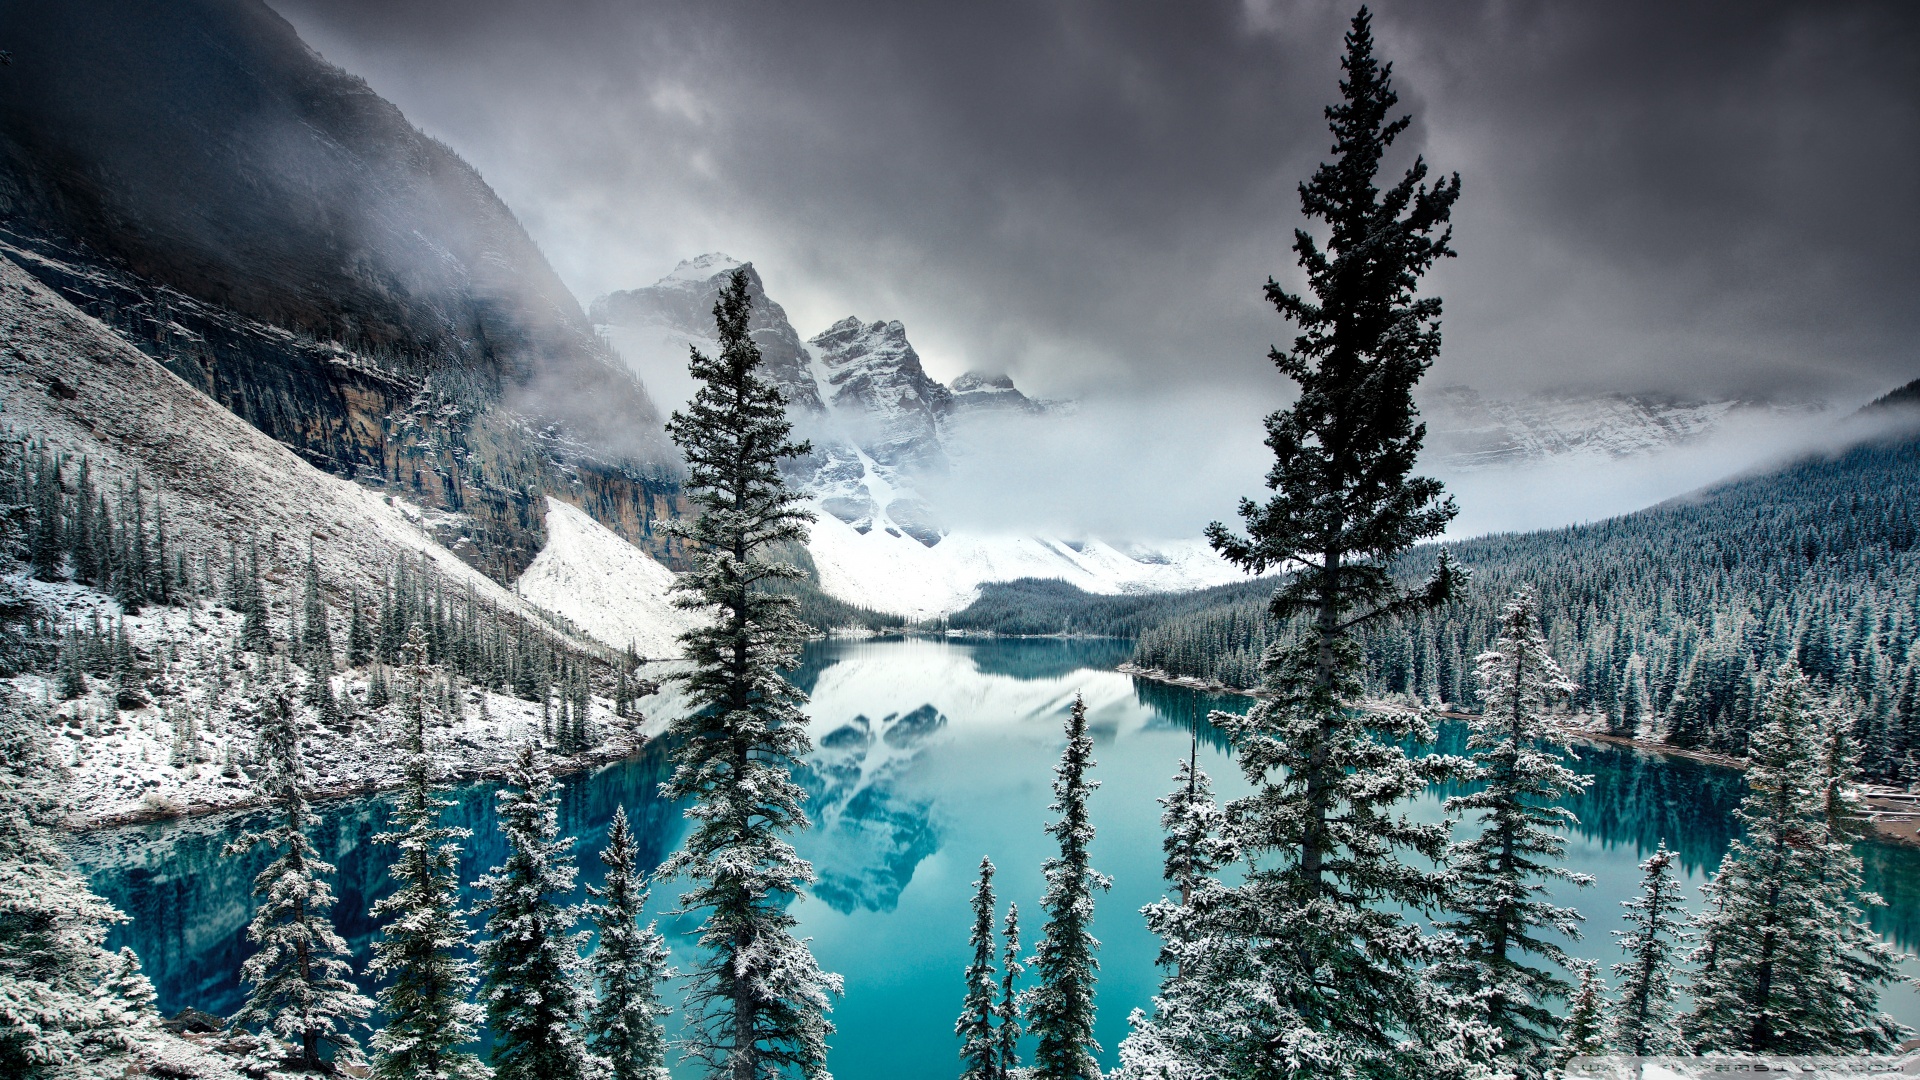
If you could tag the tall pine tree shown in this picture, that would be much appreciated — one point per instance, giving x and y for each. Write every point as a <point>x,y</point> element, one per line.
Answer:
<point>1783,965</point>
<point>975,1026</point>
<point>758,1001</point>
<point>1008,1012</point>
<point>1330,963</point>
<point>1644,1022</point>
<point>300,981</point>
<point>1497,896</point>
<point>529,958</point>
<point>421,951</point>
<point>628,967</point>
<point>1060,1010</point>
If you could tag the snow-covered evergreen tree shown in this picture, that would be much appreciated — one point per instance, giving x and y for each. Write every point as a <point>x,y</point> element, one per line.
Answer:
<point>1583,1033</point>
<point>299,980</point>
<point>758,1001</point>
<point>420,951</point>
<point>1784,966</point>
<point>975,1026</point>
<point>529,958</point>
<point>1643,1022</point>
<point>1167,1044</point>
<point>1327,980</point>
<point>628,967</point>
<point>1499,918</point>
<point>67,1006</point>
<point>1060,1010</point>
<point>1007,1011</point>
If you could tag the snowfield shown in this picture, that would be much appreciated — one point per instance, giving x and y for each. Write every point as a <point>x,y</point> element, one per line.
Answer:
<point>898,574</point>
<point>605,586</point>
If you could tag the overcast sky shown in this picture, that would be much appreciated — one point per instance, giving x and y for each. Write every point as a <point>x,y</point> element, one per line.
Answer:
<point>1703,198</point>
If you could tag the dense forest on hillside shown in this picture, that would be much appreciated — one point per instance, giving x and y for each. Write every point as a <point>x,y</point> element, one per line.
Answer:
<point>1670,619</point>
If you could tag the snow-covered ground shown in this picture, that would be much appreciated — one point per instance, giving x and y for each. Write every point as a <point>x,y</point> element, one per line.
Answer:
<point>604,585</point>
<point>189,747</point>
<point>899,574</point>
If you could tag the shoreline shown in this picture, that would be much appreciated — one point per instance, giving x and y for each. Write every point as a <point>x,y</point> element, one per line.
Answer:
<point>1893,815</point>
<point>618,749</point>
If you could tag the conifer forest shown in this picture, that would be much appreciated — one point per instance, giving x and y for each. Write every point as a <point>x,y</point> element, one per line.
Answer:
<point>1390,552</point>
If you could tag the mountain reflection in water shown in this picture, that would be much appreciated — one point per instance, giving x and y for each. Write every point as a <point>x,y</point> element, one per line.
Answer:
<point>929,755</point>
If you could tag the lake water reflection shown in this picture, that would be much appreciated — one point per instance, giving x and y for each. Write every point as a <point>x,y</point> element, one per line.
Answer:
<point>930,755</point>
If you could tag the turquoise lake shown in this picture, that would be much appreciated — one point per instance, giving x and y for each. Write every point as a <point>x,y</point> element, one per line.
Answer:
<point>930,755</point>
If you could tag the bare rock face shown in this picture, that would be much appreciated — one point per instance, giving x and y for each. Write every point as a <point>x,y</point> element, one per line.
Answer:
<point>879,387</point>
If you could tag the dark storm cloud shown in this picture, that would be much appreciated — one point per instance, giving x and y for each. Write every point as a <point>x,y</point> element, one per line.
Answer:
<point>1703,198</point>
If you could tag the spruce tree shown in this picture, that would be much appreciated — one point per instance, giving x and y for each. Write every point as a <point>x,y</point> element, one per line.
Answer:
<point>1644,1022</point>
<point>1329,969</point>
<point>1008,1012</point>
<point>1783,966</point>
<point>1499,876</point>
<point>61,993</point>
<point>975,1026</point>
<point>1157,1044</point>
<point>758,1001</point>
<point>316,640</point>
<point>359,637</point>
<point>628,967</point>
<point>1060,1010</point>
<point>529,957</point>
<point>421,950</point>
<point>1583,1032</point>
<point>299,979</point>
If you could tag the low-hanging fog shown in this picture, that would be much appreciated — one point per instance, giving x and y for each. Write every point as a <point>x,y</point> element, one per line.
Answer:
<point>1658,197</point>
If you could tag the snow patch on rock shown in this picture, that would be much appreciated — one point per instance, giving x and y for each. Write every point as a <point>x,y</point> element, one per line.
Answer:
<point>604,585</point>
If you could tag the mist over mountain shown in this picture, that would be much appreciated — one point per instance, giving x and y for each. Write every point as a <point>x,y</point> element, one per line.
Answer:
<point>280,236</point>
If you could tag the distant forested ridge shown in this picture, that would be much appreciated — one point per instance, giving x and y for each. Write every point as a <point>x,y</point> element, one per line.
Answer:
<point>1670,619</point>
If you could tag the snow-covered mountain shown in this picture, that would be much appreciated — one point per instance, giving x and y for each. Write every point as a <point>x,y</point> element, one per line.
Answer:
<point>1469,430</point>
<point>883,431</point>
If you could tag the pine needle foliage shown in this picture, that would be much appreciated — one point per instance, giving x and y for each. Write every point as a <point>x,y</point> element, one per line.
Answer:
<point>1008,1012</point>
<point>1643,1021</point>
<point>65,1002</point>
<point>628,967</point>
<point>529,956</point>
<point>421,951</point>
<point>1329,968</point>
<point>757,1003</point>
<point>1784,965</point>
<point>978,1047</point>
<point>300,980</point>
<point>1060,1010</point>
<point>1499,876</point>
<point>1583,1033</point>
<point>1171,1042</point>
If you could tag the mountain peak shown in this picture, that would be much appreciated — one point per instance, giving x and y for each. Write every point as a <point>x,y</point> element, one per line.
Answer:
<point>702,268</point>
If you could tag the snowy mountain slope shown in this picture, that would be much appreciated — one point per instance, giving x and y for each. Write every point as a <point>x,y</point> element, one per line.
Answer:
<point>72,381</point>
<point>897,574</point>
<point>604,585</point>
<point>881,429</point>
<point>1470,430</point>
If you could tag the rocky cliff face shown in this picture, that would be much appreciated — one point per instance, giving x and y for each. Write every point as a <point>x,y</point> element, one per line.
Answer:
<point>280,237</point>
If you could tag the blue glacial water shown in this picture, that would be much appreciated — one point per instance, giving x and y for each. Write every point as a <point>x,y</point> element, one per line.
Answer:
<point>931,754</point>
